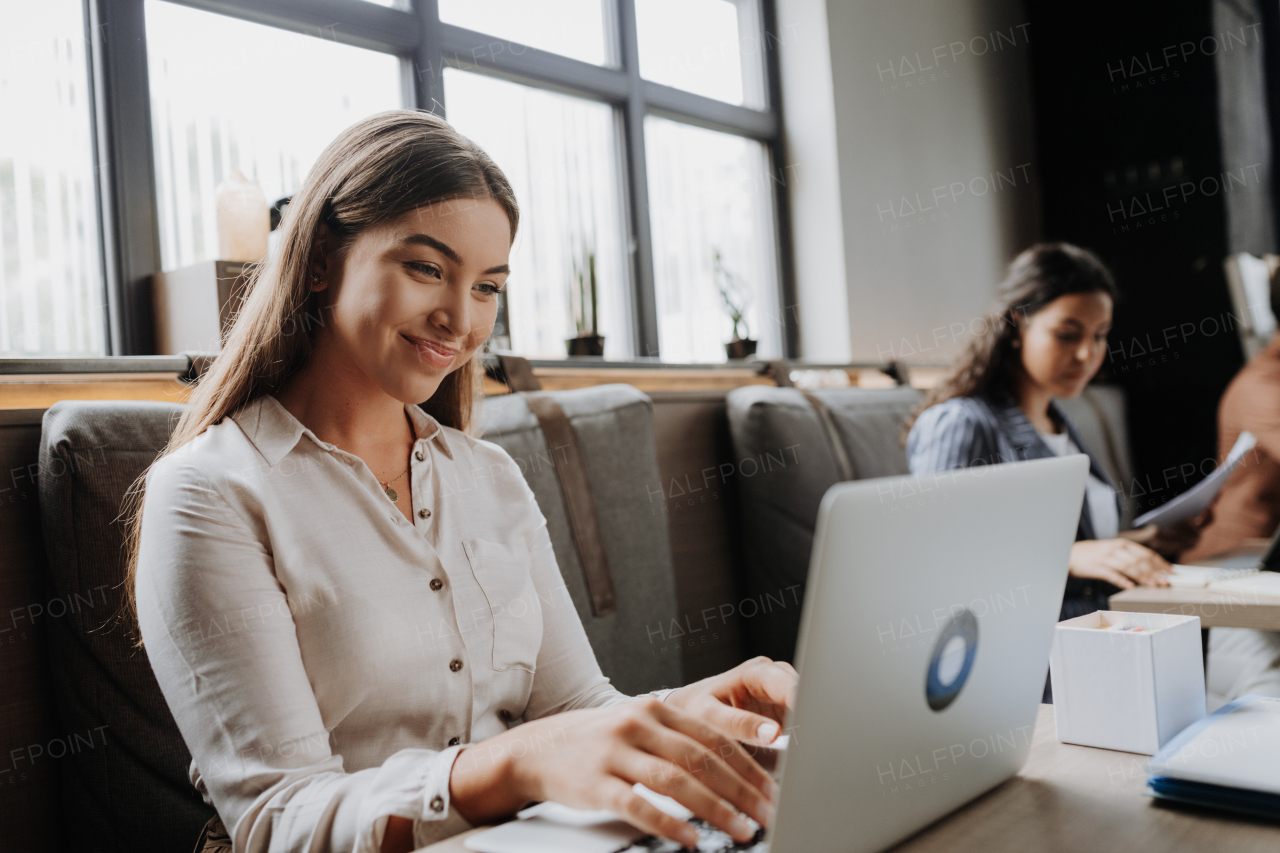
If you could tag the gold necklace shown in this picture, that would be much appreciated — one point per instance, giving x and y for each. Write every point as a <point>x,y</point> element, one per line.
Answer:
<point>386,486</point>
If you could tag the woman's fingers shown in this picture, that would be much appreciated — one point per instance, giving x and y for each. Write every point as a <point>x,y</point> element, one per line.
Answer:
<point>688,789</point>
<point>643,815</point>
<point>1112,571</point>
<point>1121,562</point>
<point>1114,577</point>
<point>709,767</point>
<point>1142,574</point>
<point>741,724</point>
<point>768,682</point>
<point>728,751</point>
<point>1142,564</point>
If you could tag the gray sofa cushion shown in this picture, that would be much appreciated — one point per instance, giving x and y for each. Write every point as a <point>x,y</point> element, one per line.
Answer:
<point>780,428</point>
<point>614,424</point>
<point>125,786</point>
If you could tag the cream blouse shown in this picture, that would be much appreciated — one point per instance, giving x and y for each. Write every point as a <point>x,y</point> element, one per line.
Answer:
<point>323,656</point>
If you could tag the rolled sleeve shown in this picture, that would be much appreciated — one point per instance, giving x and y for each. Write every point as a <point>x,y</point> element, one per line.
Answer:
<point>437,818</point>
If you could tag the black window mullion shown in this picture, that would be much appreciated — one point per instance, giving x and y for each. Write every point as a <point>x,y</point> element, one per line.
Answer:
<point>707,112</point>
<point>641,243</point>
<point>353,22</point>
<point>129,226</point>
<point>428,61</point>
<point>468,50</point>
<point>780,177</point>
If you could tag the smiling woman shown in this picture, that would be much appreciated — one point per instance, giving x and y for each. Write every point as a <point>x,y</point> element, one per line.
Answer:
<point>404,311</point>
<point>307,467</point>
<point>405,308</point>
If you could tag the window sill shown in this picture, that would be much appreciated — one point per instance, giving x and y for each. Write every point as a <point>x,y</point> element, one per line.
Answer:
<point>39,383</point>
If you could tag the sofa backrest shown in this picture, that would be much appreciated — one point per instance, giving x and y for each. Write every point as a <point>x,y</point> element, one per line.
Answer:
<point>126,788</point>
<point>699,487</point>
<point>614,428</point>
<point>783,431</point>
<point>32,744</point>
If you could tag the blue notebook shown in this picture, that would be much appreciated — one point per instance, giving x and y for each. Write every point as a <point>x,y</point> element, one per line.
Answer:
<point>1227,760</point>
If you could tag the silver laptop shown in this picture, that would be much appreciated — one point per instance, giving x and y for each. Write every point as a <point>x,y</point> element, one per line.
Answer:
<point>924,645</point>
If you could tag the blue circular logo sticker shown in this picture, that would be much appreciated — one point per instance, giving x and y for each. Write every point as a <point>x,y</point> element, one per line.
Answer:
<point>952,660</point>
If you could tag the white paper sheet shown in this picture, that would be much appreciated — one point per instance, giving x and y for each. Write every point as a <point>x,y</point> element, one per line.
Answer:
<point>1197,499</point>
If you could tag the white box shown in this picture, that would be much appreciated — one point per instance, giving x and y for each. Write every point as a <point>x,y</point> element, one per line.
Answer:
<point>1126,690</point>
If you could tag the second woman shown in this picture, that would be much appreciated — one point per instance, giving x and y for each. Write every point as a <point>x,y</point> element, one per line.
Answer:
<point>1045,338</point>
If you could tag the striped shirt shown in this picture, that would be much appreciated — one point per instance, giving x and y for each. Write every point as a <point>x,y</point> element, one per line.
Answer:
<point>967,431</point>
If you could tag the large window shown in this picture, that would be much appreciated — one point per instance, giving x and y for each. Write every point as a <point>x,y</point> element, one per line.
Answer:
<point>229,96</point>
<point>712,240</point>
<point>638,134</point>
<point>51,293</point>
<point>559,152</point>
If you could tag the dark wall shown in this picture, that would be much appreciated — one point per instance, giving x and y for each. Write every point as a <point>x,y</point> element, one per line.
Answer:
<point>1132,167</point>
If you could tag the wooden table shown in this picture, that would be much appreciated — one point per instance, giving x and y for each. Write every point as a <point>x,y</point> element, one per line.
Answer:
<point>1072,799</point>
<point>1215,609</point>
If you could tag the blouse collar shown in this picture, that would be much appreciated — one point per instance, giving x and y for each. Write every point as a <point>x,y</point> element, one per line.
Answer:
<point>274,431</point>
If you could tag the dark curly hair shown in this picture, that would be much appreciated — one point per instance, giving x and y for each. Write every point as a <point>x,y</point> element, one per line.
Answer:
<point>1038,276</point>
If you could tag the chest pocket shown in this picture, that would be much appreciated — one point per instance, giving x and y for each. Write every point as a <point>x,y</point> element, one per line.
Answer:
<point>503,575</point>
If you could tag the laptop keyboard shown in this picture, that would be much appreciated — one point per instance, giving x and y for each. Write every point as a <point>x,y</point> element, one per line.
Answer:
<point>710,840</point>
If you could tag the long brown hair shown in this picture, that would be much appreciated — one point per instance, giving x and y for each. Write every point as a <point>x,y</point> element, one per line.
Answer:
<point>375,171</point>
<point>986,367</point>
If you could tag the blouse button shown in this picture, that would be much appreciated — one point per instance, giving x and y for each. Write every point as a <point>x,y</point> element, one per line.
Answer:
<point>455,665</point>
<point>436,584</point>
<point>453,741</point>
<point>424,513</point>
<point>419,455</point>
<point>437,804</point>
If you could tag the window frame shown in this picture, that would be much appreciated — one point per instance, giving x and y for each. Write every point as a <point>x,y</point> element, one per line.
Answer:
<point>426,45</point>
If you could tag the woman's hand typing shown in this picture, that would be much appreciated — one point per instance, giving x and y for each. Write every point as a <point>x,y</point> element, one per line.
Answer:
<point>1118,561</point>
<point>591,758</point>
<point>749,702</point>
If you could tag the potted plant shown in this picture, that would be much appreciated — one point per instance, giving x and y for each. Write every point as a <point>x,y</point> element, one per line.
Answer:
<point>736,297</point>
<point>582,304</point>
